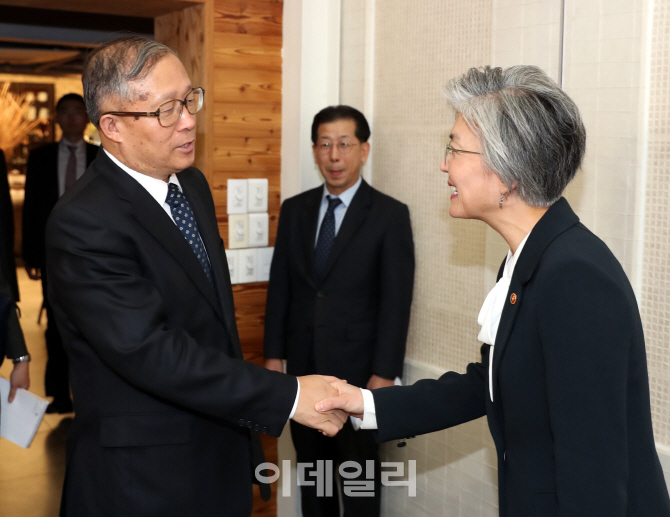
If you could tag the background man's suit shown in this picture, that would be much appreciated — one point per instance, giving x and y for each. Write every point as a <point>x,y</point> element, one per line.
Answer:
<point>166,408</point>
<point>354,323</point>
<point>570,416</point>
<point>41,195</point>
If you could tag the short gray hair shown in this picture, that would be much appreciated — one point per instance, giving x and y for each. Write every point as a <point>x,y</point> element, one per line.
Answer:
<point>531,132</point>
<point>110,68</point>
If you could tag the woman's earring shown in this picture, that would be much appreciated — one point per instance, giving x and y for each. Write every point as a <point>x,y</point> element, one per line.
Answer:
<point>502,197</point>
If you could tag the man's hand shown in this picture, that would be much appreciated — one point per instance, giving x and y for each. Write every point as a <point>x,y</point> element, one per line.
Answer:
<point>276,365</point>
<point>379,382</point>
<point>19,378</point>
<point>314,388</point>
<point>349,399</point>
<point>34,273</point>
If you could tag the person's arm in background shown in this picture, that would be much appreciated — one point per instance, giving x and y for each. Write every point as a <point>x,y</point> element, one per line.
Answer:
<point>15,347</point>
<point>278,299</point>
<point>396,272</point>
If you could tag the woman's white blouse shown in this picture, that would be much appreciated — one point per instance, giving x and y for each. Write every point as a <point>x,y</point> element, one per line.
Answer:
<point>491,311</point>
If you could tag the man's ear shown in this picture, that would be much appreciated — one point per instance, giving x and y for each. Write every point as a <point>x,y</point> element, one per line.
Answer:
<point>110,127</point>
<point>365,151</point>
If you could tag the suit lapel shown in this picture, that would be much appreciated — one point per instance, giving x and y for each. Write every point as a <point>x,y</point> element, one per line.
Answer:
<point>353,218</point>
<point>219,264</point>
<point>555,221</point>
<point>152,216</point>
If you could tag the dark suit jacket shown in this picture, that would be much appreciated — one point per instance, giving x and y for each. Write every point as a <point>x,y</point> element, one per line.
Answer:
<point>164,403</point>
<point>7,264</point>
<point>41,194</point>
<point>355,323</point>
<point>14,343</point>
<point>571,416</point>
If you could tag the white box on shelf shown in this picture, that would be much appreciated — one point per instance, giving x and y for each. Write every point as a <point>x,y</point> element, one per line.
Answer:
<point>258,195</point>
<point>233,265</point>
<point>259,230</point>
<point>248,266</point>
<point>237,196</point>
<point>238,231</point>
<point>264,263</point>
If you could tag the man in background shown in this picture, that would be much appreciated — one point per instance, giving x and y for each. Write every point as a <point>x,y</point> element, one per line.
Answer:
<point>340,294</point>
<point>53,169</point>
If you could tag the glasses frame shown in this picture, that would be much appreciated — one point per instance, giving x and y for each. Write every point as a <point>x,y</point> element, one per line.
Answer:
<point>448,150</point>
<point>324,148</point>
<point>157,113</point>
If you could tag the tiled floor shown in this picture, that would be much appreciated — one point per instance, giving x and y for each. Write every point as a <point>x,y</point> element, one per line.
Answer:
<point>31,479</point>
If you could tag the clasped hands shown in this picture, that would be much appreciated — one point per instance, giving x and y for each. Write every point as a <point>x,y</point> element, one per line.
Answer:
<point>326,402</point>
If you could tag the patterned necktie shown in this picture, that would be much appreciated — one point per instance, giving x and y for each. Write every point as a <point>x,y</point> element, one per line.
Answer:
<point>326,237</point>
<point>71,170</point>
<point>183,216</point>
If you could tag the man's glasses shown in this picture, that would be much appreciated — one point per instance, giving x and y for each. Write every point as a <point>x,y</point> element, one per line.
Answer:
<point>342,147</point>
<point>169,113</point>
<point>450,150</point>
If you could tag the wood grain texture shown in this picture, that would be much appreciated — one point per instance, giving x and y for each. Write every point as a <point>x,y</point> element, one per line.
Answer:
<point>187,33</point>
<point>234,50</point>
<point>249,120</point>
<point>247,85</point>
<point>259,17</point>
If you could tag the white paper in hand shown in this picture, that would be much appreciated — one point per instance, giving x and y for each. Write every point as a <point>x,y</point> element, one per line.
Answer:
<point>20,420</point>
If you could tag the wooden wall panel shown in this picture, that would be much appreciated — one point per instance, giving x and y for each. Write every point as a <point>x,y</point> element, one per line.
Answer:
<point>251,120</point>
<point>260,17</point>
<point>247,85</point>
<point>245,112</point>
<point>234,50</point>
<point>189,34</point>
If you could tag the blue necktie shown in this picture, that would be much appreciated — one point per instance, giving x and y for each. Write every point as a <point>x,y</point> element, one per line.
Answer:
<point>183,216</point>
<point>326,237</point>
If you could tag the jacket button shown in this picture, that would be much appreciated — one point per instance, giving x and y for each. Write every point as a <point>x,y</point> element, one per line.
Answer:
<point>320,294</point>
<point>249,424</point>
<point>264,429</point>
<point>241,422</point>
<point>257,428</point>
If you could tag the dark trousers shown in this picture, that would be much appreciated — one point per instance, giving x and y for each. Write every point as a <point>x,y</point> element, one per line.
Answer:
<point>347,445</point>
<point>56,376</point>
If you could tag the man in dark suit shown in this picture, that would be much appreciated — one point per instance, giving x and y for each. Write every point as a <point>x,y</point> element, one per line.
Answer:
<point>340,294</point>
<point>167,410</point>
<point>12,343</point>
<point>52,169</point>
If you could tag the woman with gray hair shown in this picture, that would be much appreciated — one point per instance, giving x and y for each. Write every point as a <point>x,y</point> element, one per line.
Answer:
<point>563,378</point>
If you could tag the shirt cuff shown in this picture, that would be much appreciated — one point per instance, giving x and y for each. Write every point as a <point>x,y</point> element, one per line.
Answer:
<point>369,414</point>
<point>295,404</point>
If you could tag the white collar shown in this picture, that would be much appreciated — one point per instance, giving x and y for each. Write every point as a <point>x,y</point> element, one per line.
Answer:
<point>345,196</point>
<point>154,186</point>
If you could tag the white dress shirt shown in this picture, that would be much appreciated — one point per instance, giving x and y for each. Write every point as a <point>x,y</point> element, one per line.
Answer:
<point>341,209</point>
<point>64,158</point>
<point>491,311</point>
<point>158,189</point>
<point>489,319</point>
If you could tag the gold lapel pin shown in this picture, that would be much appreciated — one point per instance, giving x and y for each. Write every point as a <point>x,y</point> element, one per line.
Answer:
<point>512,298</point>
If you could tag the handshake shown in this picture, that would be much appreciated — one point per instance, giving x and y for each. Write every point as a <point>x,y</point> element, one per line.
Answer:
<point>325,403</point>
